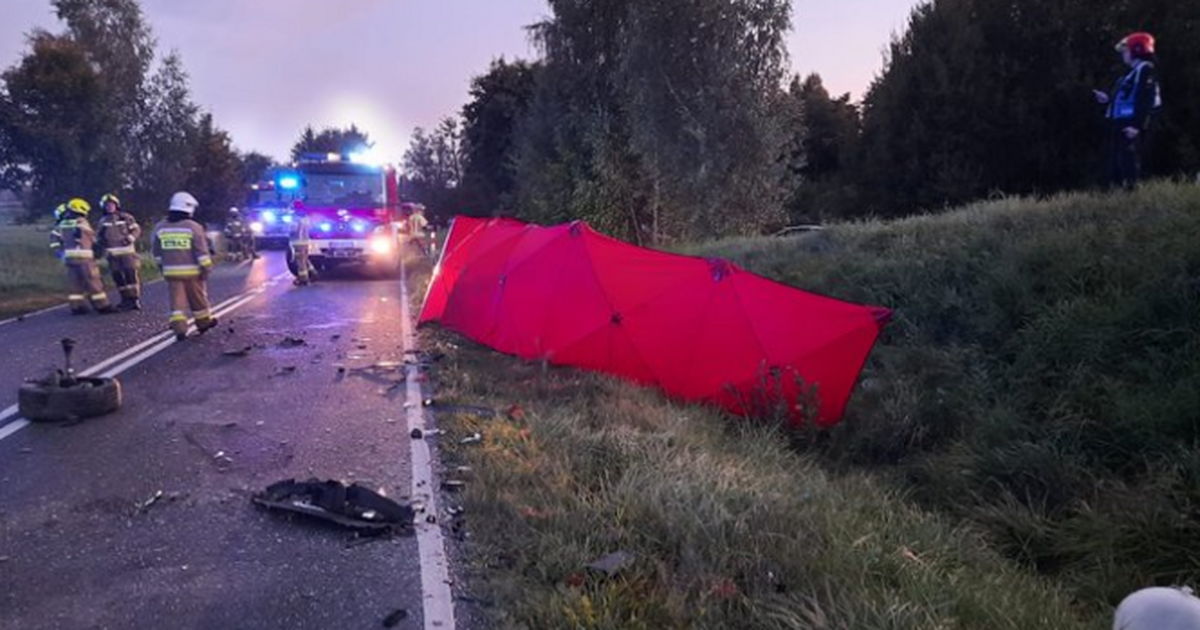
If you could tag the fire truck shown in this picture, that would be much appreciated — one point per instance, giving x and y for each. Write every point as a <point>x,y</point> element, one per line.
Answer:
<point>352,208</point>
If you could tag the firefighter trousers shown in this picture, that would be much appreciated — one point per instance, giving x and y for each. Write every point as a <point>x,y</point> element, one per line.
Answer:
<point>189,294</point>
<point>300,255</point>
<point>124,271</point>
<point>85,285</point>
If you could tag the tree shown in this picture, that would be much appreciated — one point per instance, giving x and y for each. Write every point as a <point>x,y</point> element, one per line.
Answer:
<point>433,167</point>
<point>255,167</point>
<point>215,176</point>
<point>120,46</point>
<point>166,138</point>
<point>331,140</point>
<point>825,144</point>
<point>53,122</point>
<point>499,99</point>
<point>701,87</point>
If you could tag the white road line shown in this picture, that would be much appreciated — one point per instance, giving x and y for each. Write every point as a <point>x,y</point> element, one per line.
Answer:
<point>437,601</point>
<point>33,314</point>
<point>142,351</point>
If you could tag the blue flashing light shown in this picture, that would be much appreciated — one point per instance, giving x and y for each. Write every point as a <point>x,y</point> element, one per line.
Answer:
<point>289,182</point>
<point>287,218</point>
<point>269,216</point>
<point>326,227</point>
<point>358,226</point>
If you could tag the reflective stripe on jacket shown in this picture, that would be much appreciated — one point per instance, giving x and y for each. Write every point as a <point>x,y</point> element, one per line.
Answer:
<point>76,237</point>
<point>181,249</point>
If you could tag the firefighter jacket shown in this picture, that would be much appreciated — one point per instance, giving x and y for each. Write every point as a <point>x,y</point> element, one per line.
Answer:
<point>117,233</point>
<point>74,237</point>
<point>300,237</point>
<point>1136,97</point>
<point>181,249</point>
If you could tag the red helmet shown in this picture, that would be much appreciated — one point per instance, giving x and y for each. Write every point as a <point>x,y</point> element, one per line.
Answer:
<point>1139,44</point>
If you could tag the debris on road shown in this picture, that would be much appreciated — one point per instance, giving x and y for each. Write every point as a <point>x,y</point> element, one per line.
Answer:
<point>292,342</point>
<point>612,563</point>
<point>144,505</point>
<point>395,617</point>
<point>471,439</point>
<point>286,370</point>
<point>417,434</point>
<point>238,352</point>
<point>352,506</point>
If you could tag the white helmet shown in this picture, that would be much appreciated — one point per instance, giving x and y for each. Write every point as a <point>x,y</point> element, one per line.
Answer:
<point>184,202</point>
<point>1159,608</point>
<point>233,210</point>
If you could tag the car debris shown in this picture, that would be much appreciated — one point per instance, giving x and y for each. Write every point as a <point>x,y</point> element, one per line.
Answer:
<point>474,438</point>
<point>238,352</point>
<point>292,342</point>
<point>353,506</point>
<point>395,617</point>
<point>453,485</point>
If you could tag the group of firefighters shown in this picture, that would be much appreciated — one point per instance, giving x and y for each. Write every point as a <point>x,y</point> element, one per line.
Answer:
<point>179,247</point>
<point>178,244</point>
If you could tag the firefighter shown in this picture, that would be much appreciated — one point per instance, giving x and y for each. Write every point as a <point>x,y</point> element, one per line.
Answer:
<point>56,240</point>
<point>417,224</point>
<point>118,234</point>
<point>181,251</point>
<point>299,247</point>
<point>77,240</point>
<point>239,236</point>
<point>1132,105</point>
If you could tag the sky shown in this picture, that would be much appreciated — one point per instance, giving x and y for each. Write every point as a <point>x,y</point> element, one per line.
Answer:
<point>266,68</point>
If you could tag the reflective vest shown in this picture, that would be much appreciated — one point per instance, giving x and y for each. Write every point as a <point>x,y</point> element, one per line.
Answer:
<point>77,238</point>
<point>1123,104</point>
<point>181,249</point>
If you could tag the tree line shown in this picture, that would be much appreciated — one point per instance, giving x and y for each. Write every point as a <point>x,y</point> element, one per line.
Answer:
<point>97,109</point>
<point>658,124</point>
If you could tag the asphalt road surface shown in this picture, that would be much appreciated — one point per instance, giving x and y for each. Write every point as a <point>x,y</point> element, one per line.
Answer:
<point>143,518</point>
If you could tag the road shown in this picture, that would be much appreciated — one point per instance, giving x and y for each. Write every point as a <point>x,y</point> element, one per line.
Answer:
<point>83,545</point>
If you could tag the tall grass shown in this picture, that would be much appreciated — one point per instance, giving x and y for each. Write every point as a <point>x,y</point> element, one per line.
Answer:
<point>727,526</point>
<point>1041,377</point>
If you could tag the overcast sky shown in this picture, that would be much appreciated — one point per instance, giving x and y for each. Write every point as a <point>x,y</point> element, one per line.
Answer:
<point>265,68</point>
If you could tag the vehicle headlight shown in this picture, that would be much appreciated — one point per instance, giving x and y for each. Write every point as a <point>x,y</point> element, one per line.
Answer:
<point>381,244</point>
<point>268,216</point>
<point>256,227</point>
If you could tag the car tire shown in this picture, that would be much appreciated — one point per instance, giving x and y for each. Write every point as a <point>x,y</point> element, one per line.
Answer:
<point>88,398</point>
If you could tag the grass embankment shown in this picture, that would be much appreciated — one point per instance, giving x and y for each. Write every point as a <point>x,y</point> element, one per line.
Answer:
<point>728,526</point>
<point>1041,378</point>
<point>31,278</point>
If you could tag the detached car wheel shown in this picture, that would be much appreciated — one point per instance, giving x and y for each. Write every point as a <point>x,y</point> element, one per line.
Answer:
<point>55,402</point>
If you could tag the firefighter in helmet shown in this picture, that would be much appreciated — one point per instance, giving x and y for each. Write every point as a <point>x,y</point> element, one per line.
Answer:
<point>239,236</point>
<point>1131,107</point>
<point>181,251</point>
<point>74,238</point>
<point>299,247</point>
<point>118,232</point>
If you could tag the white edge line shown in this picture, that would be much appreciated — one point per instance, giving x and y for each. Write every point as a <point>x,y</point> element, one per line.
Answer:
<point>437,603</point>
<point>142,351</point>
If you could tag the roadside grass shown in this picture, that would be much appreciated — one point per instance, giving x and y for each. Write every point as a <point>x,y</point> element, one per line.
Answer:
<point>1041,378</point>
<point>728,526</point>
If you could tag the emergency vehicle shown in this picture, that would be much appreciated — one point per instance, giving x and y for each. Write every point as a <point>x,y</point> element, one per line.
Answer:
<point>352,209</point>
<point>269,214</point>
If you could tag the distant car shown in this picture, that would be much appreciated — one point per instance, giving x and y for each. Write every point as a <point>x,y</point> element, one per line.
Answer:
<point>271,226</point>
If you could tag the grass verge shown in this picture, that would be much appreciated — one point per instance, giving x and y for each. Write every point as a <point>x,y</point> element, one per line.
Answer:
<point>1041,378</point>
<point>727,526</point>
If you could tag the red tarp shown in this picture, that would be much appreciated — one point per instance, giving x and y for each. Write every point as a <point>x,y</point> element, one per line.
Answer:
<point>699,329</point>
